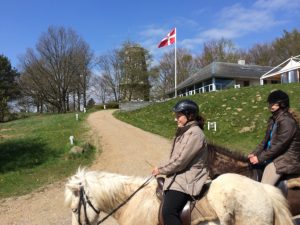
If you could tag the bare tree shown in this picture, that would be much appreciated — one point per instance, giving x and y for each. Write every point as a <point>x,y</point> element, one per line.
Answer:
<point>261,54</point>
<point>110,68</point>
<point>166,78</point>
<point>61,57</point>
<point>222,50</point>
<point>99,88</point>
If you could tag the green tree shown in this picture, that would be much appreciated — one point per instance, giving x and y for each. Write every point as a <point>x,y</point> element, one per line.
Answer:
<point>134,72</point>
<point>286,46</point>
<point>8,86</point>
<point>90,104</point>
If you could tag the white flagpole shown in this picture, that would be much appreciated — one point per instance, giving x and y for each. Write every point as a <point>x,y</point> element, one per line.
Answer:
<point>175,64</point>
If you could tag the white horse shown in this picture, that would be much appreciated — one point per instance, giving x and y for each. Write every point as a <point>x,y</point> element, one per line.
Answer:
<point>235,199</point>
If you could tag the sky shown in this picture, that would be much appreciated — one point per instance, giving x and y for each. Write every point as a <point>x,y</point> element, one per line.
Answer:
<point>106,24</point>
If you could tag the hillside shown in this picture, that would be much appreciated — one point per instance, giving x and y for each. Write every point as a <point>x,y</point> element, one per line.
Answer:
<point>240,114</point>
<point>35,151</point>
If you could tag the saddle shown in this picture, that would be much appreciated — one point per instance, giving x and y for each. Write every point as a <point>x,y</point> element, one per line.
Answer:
<point>185,214</point>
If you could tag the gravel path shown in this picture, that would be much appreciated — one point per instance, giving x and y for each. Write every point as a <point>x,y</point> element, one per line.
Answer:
<point>125,150</point>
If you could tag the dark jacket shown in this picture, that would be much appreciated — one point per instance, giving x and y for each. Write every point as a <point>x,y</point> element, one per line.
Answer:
<point>186,168</point>
<point>284,150</point>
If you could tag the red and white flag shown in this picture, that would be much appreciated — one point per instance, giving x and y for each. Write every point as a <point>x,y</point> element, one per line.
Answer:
<point>169,39</point>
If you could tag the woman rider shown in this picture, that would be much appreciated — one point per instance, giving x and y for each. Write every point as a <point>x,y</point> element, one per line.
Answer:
<point>280,149</point>
<point>186,169</point>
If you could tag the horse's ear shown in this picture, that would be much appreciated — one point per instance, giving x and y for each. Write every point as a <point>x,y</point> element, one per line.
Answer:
<point>75,188</point>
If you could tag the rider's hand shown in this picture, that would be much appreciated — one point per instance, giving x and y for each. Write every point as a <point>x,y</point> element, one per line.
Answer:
<point>254,160</point>
<point>155,171</point>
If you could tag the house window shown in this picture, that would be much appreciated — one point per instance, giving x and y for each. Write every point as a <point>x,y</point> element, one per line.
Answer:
<point>246,83</point>
<point>274,82</point>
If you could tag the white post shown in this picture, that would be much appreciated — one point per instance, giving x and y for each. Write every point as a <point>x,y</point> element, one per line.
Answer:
<point>261,81</point>
<point>84,110</point>
<point>175,63</point>
<point>71,140</point>
<point>212,125</point>
<point>77,116</point>
<point>104,106</point>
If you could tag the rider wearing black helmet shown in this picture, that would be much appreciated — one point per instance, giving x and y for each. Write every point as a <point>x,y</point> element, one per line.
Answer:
<point>191,111</point>
<point>186,169</point>
<point>280,149</point>
<point>279,97</point>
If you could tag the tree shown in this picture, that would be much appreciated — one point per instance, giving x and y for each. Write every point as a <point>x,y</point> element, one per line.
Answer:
<point>59,67</point>
<point>8,85</point>
<point>286,46</point>
<point>134,72</point>
<point>166,75</point>
<point>261,54</point>
<point>90,103</point>
<point>110,68</point>
<point>222,50</point>
<point>99,88</point>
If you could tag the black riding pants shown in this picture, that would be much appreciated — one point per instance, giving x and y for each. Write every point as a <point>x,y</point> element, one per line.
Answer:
<point>174,201</point>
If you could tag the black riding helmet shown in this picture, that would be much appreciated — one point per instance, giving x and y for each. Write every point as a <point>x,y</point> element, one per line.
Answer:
<point>186,107</point>
<point>279,97</point>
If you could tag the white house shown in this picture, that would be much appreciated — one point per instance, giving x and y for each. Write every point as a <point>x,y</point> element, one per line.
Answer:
<point>289,73</point>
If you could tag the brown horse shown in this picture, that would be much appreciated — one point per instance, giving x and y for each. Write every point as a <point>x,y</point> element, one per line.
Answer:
<point>222,160</point>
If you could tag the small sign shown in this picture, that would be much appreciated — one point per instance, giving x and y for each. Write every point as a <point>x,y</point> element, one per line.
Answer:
<point>212,125</point>
<point>71,140</point>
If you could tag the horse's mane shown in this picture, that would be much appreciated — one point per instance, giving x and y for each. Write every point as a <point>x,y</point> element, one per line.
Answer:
<point>213,149</point>
<point>103,185</point>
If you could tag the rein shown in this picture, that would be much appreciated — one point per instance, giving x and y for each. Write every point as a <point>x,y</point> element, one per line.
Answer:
<point>84,199</point>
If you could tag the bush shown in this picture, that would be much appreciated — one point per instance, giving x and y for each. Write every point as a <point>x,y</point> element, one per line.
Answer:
<point>110,105</point>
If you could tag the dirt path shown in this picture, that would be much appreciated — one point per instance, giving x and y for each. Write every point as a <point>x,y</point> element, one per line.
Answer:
<point>125,149</point>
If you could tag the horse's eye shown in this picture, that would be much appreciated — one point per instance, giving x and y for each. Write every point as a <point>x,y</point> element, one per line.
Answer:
<point>74,210</point>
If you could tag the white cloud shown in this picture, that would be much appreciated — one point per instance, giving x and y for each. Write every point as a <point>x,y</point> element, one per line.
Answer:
<point>232,22</point>
<point>274,5</point>
<point>151,32</point>
<point>236,21</point>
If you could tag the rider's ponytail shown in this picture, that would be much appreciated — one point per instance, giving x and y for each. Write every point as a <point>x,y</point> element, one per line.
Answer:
<point>295,115</point>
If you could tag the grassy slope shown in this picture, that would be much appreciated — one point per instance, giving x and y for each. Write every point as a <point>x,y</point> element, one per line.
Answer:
<point>234,110</point>
<point>34,151</point>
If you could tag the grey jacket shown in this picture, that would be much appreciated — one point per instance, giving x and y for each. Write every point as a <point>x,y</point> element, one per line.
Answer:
<point>186,170</point>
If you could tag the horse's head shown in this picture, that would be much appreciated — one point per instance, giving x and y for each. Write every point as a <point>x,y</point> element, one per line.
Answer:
<point>85,209</point>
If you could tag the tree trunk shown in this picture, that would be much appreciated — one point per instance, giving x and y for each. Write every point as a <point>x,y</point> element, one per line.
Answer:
<point>78,101</point>
<point>74,101</point>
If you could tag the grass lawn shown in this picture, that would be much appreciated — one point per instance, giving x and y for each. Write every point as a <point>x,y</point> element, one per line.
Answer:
<point>241,115</point>
<point>34,151</point>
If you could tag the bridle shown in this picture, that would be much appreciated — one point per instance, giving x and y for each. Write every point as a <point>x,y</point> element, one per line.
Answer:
<point>84,200</point>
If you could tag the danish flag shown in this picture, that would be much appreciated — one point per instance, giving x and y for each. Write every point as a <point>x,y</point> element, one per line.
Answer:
<point>169,39</point>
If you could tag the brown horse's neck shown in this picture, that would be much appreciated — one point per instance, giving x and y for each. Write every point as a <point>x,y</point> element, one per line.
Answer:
<point>222,160</point>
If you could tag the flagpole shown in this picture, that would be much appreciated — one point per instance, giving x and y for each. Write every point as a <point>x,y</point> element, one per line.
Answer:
<point>175,63</point>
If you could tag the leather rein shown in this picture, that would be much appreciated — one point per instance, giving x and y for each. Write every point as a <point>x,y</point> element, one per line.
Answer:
<point>84,200</point>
